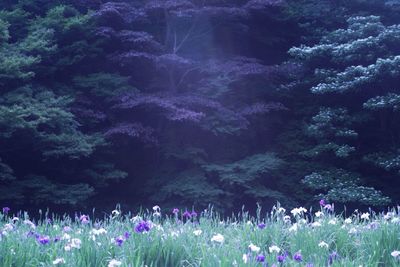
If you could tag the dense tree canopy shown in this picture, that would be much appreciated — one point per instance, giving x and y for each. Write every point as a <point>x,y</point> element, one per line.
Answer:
<point>187,102</point>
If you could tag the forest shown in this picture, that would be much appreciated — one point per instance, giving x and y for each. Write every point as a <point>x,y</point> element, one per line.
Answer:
<point>190,103</point>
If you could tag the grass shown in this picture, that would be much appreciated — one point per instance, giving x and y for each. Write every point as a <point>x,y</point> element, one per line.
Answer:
<point>173,240</point>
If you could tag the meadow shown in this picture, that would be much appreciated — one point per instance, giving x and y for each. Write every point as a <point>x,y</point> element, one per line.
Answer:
<point>158,237</point>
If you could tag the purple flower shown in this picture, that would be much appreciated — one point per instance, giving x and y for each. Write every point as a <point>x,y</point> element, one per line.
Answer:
<point>187,215</point>
<point>281,258</point>
<point>261,225</point>
<point>43,240</point>
<point>310,265</point>
<point>56,239</point>
<point>127,235</point>
<point>119,240</point>
<point>332,257</point>
<point>142,226</point>
<point>373,225</point>
<point>322,202</point>
<point>260,258</point>
<point>30,234</point>
<point>175,211</point>
<point>6,210</point>
<point>329,207</point>
<point>84,219</point>
<point>193,214</point>
<point>297,256</point>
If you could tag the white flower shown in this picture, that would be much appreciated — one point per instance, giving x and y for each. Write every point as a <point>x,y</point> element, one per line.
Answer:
<point>249,223</point>
<point>298,211</point>
<point>8,227</point>
<point>319,214</point>
<point>295,211</point>
<point>15,219</point>
<point>114,263</point>
<point>302,221</point>
<point>66,237</point>
<point>365,216</point>
<point>316,224</point>
<point>174,233</point>
<point>395,220</point>
<point>218,238</point>
<point>157,214</point>
<point>67,247</point>
<point>31,224</point>
<point>395,253</point>
<point>254,248</point>
<point>136,219</point>
<point>157,208</point>
<point>323,244</point>
<point>58,261</point>
<point>293,228</point>
<point>98,231</point>
<point>388,215</point>
<point>245,258</point>
<point>274,249</point>
<point>115,213</point>
<point>333,222</point>
<point>348,221</point>
<point>353,231</point>
<point>197,232</point>
<point>76,243</point>
<point>286,219</point>
<point>281,210</point>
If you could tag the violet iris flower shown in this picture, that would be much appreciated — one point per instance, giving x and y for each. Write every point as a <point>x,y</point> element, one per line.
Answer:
<point>142,226</point>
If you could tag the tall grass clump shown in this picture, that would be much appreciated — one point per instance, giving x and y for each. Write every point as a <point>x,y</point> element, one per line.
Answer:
<point>188,238</point>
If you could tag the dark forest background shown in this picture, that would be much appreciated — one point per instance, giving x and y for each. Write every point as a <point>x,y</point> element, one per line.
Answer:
<point>182,103</point>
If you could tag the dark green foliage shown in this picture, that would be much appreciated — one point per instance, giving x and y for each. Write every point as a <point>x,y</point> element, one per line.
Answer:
<point>103,84</point>
<point>189,186</point>
<point>354,62</point>
<point>46,119</point>
<point>6,173</point>
<point>249,177</point>
<point>102,173</point>
<point>344,187</point>
<point>223,184</point>
<point>40,133</point>
<point>4,32</point>
<point>390,101</point>
<point>244,171</point>
<point>390,161</point>
<point>46,191</point>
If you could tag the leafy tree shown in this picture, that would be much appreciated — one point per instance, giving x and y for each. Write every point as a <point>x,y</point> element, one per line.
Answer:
<point>40,131</point>
<point>351,64</point>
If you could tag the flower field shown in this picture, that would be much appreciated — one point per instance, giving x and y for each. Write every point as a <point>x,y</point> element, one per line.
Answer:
<point>299,237</point>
